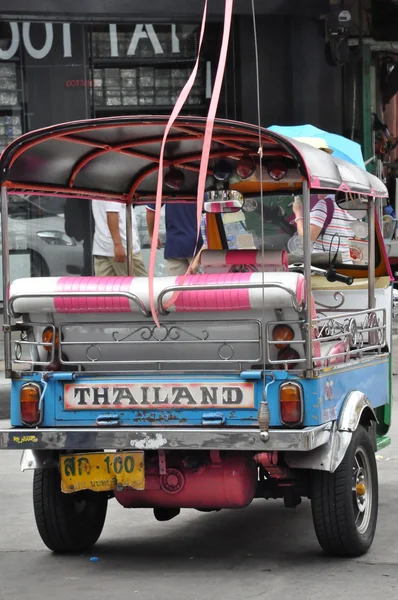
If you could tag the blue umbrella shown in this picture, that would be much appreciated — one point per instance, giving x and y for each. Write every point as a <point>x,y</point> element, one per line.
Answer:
<point>342,147</point>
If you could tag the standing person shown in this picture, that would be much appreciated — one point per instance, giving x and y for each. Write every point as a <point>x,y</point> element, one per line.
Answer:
<point>330,227</point>
<point>109,244</point>
<point>181,234</point>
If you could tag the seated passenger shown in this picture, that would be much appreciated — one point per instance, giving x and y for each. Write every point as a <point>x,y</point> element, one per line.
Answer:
<point>330,227</point>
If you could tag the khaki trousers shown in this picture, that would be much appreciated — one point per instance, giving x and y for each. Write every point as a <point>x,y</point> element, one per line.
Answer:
<point>106,266</point>
<point>177,266</point>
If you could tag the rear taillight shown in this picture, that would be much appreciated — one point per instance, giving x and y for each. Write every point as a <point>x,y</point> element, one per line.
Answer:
<point>289,355</point>
<point>50,335</point>
<point>291,403</point>
<point>283,334</point>
<point>30,404</point>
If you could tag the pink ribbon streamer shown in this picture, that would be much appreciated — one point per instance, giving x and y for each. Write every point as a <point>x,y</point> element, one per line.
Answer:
<point>211,115</point>
<point>158,203</point>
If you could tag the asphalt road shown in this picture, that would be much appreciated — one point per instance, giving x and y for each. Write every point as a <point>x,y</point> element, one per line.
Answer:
<point>265,552</point>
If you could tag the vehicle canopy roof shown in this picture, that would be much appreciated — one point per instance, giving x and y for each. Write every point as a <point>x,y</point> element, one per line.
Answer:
<point>118,158</point>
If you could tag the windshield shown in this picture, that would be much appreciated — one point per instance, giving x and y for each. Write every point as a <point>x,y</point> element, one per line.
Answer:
<point>50,236</point>
<point>336,233</point>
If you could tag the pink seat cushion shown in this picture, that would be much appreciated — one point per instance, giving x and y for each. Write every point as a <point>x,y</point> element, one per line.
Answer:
<point>94,304</point>
<point>219,300</point>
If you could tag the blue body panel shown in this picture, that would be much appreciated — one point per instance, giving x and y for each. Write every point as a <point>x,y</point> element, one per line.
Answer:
<point>323,397</point>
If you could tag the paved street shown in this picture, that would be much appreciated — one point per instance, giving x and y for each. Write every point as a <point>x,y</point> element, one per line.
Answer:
<point>262,553</point>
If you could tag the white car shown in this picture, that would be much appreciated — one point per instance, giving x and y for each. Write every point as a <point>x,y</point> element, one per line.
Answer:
<point>39,245</point>
<point>38,241</point>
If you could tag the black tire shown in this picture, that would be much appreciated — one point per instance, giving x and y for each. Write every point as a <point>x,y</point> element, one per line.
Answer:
<point>344,514</point>
<point>38,266</point>
<point>67,523</point>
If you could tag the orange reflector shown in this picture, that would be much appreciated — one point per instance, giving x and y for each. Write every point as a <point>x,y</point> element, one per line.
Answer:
<point>291,404</point>
<point>47,338</point>
<point>284,334</point>
<point>30,403</point>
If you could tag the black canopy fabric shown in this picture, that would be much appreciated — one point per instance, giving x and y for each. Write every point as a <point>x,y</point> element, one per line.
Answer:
<point>118,158</point>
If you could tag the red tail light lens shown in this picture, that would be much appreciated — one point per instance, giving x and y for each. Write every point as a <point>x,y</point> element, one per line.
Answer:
<point>277,170</point>
<point>291,404</point>
<point>245,167</point>
<point>289,354</point>
<point>30,404</point>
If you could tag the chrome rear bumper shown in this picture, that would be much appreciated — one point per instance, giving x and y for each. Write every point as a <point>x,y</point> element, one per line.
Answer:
<point>243,439</point>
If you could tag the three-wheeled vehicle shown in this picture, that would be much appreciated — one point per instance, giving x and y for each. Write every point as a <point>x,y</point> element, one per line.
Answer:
<point>265,372</point>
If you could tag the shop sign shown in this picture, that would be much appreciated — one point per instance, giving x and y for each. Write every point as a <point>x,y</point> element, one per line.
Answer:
<point>140,32</point>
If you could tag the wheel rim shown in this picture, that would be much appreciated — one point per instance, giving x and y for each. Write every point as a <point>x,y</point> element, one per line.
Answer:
<point>362,489</point>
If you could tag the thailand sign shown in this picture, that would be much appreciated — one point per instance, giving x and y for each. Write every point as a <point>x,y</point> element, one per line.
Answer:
<point>91,396</point>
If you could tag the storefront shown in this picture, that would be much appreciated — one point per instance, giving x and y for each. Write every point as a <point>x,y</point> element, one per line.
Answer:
<point>67,70</point>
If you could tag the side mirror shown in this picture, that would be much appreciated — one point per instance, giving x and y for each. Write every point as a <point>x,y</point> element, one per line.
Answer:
<point>223,201</point>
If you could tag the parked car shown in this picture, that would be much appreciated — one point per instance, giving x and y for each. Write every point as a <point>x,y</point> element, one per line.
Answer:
<point>40,246</point>
<point>37,229</point>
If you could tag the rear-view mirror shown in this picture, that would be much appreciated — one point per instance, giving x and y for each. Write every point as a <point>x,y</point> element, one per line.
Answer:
<point>223,201</point>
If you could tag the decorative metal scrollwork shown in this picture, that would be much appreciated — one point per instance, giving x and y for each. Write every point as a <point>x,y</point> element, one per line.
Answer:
<point>93,353</point>
<point>161,334</point>
<point>226,351</point>
<point>357,336</point>
<point>353,334</point>
<point>338,296</point>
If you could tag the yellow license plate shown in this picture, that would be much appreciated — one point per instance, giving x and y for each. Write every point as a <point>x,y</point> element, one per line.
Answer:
<point>102,472</point>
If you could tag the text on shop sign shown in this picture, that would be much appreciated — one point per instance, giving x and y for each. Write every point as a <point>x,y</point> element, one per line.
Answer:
<point>140,32</point>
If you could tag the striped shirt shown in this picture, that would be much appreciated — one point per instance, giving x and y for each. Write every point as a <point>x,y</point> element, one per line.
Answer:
<point>338,233</point>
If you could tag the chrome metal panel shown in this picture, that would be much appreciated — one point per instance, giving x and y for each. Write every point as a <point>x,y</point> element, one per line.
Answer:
<point>38,459</point>
<point>301,440</point>
<point>324,458</point>
<point>200,342</point>
<point>351,412</point>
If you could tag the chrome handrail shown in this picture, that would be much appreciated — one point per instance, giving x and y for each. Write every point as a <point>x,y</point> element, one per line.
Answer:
<point>226,286</point>
<point>127,295</point>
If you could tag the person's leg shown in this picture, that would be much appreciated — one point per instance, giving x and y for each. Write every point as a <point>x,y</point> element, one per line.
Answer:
<point>177,266</point>
<point>103,266</point>
<point>139,269</point>
<point>107,266</point>
<point>120,269</point>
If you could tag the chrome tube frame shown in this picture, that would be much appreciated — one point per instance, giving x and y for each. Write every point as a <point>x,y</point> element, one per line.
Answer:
<point>371,257</point>
<point>129,295</point>
<point>129,238</point>
<point>307,275</point>
<point>225,286</point>
<point>6,282</point>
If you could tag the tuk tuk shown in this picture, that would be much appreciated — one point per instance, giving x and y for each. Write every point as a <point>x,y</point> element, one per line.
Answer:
<point>263,373</point>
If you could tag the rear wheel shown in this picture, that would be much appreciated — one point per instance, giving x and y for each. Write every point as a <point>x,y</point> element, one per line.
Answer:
<point>38,266</point>
<point>345,503</point>
<point>67,523</point>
